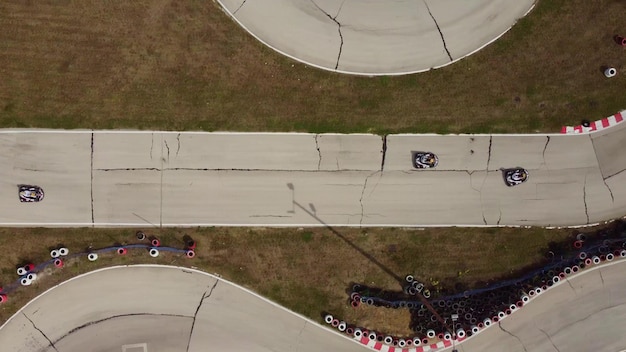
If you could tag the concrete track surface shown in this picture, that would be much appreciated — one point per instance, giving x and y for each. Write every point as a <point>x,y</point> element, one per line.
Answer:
<point>375,37</point>
<point>133,178</point>
<point>161,309</point>
<point>584,313</point>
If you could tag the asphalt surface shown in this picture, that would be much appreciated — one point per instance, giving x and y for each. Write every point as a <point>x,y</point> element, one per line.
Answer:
<point>206,312</point>
<point>584,313</point>
<point>161,309</point>
<point>373,37</point>
<point>205,179</point>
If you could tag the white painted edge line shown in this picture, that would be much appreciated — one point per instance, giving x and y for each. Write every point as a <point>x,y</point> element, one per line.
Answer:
<point>562,281</point>
<point>172,267</point>
<point>370,74</point>
<point>88,132</point>
<point>282,225</point>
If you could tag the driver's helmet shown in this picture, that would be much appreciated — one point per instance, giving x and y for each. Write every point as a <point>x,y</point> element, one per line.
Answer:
<point>428,158</point>
<point>519,175</point>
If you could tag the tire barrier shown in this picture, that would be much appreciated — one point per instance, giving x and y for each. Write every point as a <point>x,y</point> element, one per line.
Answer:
<point>21,271</point>
<point>596,260</point>
<point>342,326</point>
<point>3,298</point>
<point>610,257</point>
<point>372,335</point>
<point>431,334</point>
<point>328,318</point>
<point>402,343</point>
<point>140,235</point>
<point>153,252</point>
<point>582,255</point>
<point>610,72</point>
<point>388,340</point>
<point>474,329</point>
<point>155,241</point>
<point>460,334</point>
<point>189,242</point>
<point>409,278</point>
<point>578,244</point>
<point>28,273</point>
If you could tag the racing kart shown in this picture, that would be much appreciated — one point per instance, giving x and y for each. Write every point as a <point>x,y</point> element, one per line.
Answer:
<point>30,194</point>
<point>424,160</point>
<point>515,176</point>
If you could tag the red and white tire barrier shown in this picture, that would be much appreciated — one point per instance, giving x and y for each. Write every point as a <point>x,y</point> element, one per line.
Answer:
<point>122,251</point>
<point>403,345</point>
<point>596,125</point>
<point>58,263</point>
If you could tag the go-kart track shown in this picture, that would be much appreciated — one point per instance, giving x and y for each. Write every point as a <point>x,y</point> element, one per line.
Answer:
<point>159,309</point>
<point>377,37</point>
<point>133,178</point>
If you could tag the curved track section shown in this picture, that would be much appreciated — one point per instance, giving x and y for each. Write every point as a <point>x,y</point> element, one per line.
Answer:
<point>377,37</point>
<point>156,309</point>
<point>584,313</point>
<point>205,179</point>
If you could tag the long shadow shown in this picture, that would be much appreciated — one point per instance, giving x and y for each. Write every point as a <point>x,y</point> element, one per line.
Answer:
<point>342,237</point>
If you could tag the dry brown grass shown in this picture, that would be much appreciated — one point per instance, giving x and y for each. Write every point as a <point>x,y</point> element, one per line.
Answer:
<point>306,270</point>
<point>184,65</point>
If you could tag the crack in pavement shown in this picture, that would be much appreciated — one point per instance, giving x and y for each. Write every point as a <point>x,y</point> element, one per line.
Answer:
<point>363,193</point>
<point>485,179</point>
<point>570,285</point>
<point>550,339</point>
<point>319,152</point>
<point>443,40</point>
<point>117,316</point>
<point>168,150</point>
<point>334,19</point>
<point>299,335</point>
<point>518,339</point>
<point>205,295</point>
<point>615,174</point>
<point>220,169</point>
<point>178,141</point>
<point>92,216</point>
<point>382,163</point>
<point>610,191</point>
<point>601,277</point>
<point>543,154</point>
<point>585,198</point>
<point>51,344</point>
<point>240,6</point>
